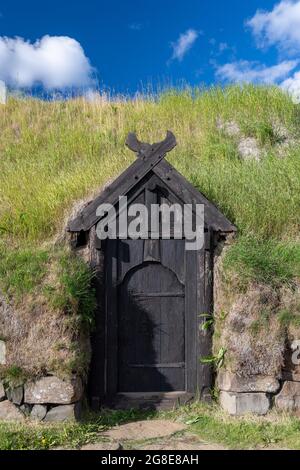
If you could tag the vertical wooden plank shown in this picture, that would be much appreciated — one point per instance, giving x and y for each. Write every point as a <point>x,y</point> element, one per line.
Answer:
<point>173,257</point>
<point>111,318</point>
<point>204,301</point>
<point>191,312</point>
<point>96,382</point>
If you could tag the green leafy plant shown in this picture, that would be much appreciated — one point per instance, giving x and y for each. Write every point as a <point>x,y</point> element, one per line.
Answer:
<point>223,315</point>
<point>208,323</point>
<point>13,376</point>
<point>217,361</point>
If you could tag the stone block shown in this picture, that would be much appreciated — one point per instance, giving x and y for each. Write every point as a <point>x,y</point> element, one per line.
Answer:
<point>54,391</point>
<point>249,149</point>
<point>63,413</point>
<point>15,394</point>
<point>10,412</point>
<point>242,403</point>
<point>38,412</point>
<point>2,392</point>
<point>26,409</point>
<point>291,369</point>
<point>289,397</point>
<point>229,382</point>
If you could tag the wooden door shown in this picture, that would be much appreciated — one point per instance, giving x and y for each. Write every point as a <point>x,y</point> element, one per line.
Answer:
<point>151,316</point>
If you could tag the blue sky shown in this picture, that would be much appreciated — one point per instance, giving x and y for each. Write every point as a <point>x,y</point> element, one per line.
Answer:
<point>128,45</point>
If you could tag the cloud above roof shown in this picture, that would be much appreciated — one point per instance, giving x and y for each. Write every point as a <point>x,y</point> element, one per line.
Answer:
<point>54,62</point>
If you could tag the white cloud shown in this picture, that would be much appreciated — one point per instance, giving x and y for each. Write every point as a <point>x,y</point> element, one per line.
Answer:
<point>184,44</point>
<point>254,72</point>
<point>292,86</point>
<point>55,62</point>
<point>135,26</point>
<point>279,27</point>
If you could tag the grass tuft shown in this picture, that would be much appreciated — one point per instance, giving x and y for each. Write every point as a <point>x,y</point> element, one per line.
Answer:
<point>265,261</point>
<point>73,293</point>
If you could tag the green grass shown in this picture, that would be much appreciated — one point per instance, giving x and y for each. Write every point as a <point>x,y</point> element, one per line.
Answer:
<point>287,317</point>
<point>22,269</point>
<point>56,284</point>
<point>207,422</point>
<point>73,293</point>
<point>265,261</point>
<point>213,425</point>
<point>55,153</point>
<point>244,434</point>
<point>14,376</point>
<point>16,436</point>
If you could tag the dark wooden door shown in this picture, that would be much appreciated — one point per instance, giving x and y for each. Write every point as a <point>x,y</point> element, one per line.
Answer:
<point>151,316</point>
<point>151,330</point>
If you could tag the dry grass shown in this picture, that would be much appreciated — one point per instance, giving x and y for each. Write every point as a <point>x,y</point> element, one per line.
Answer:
<point>250,330</point>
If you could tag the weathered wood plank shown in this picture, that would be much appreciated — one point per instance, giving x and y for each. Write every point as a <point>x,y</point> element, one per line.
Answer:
<point>204,300</point>
<point>111,317</point>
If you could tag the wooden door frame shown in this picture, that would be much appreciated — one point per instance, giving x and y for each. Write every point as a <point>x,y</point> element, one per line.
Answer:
<point>198,299</point>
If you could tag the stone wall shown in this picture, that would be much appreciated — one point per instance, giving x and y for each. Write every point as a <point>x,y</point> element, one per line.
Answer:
<point>48,399</point>
<point>51,396</point>
<point>258,393</point>
<point>260,371</point>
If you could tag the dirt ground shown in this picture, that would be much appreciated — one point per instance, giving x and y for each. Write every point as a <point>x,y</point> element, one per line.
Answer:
<point>150,435</point>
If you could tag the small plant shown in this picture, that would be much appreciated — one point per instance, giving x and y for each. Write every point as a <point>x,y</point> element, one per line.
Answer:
<point>208,323</point>
<point>217,361</point>
<point>262,323</point>
<point>223,315</point>
<point>264,132</point>
<point>13,376</point>
<point>193,420</point>
<point>215,393</point>
<point>286,318</point>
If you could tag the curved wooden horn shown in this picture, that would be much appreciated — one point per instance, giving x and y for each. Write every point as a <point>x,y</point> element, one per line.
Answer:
<point>135,145</point>
<point>169,141</point>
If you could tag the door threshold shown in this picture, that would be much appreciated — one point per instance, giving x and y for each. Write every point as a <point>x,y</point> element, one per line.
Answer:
<point>150,400</point>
